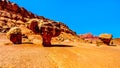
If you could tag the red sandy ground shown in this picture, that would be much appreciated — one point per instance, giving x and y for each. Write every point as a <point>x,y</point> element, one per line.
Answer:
<point>69,55</point>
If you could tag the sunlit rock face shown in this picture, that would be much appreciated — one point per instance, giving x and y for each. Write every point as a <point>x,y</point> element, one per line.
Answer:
<point>12,15</point>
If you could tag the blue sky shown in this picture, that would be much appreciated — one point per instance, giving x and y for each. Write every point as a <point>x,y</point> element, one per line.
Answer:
<point>82,16</point>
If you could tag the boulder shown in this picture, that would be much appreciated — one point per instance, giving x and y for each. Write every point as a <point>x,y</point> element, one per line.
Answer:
<point>33,25</point>
<point>15,35</point>
<point>106,38</point>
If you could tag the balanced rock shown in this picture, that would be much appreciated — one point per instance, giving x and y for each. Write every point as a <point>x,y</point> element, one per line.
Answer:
<point>46,29</point>
<point>15,35</point>
<point>106,38</point>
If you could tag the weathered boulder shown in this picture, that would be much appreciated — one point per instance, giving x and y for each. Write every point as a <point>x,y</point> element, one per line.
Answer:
<point>46,29</point>
<point>33,25</point>
<point>106,38</point>
<point>15,35</point>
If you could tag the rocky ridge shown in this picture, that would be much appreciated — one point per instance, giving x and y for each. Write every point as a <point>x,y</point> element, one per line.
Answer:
<point>11,15</point>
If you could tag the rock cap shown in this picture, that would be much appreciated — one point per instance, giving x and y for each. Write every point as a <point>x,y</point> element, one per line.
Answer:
<point>105,36</point>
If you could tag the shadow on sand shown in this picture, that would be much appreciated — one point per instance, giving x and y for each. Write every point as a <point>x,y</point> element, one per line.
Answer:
<point>112,45</point>
<point>53,45</point>
<point>27,43</point>
<point>59,45</point>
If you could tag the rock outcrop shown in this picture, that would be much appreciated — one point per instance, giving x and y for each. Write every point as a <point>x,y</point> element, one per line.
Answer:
<point>85,36</point>
<point>15,35</point>
<point>101,39</point>
<point>90,38</point>
<point>11,15</point>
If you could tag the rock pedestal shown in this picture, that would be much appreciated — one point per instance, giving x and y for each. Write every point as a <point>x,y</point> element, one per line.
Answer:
<point>46,29</point>
<point>46,40</point>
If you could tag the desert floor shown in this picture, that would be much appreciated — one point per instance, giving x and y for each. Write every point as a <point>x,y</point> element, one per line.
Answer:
<point>65,55</point>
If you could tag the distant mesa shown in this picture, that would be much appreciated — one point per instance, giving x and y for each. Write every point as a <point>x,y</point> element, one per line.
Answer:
<point>102,38</point>
<point>88,36</point>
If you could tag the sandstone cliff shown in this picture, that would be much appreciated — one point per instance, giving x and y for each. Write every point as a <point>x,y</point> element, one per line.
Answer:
<point>11,15</point>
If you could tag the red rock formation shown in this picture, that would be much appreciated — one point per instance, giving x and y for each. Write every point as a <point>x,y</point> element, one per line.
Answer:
<point>12,15</point>
<point>13,12</point>
<point>103,38</point>
<point>88,35</point>
<point>90,38</point>
<point>46,30</point>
